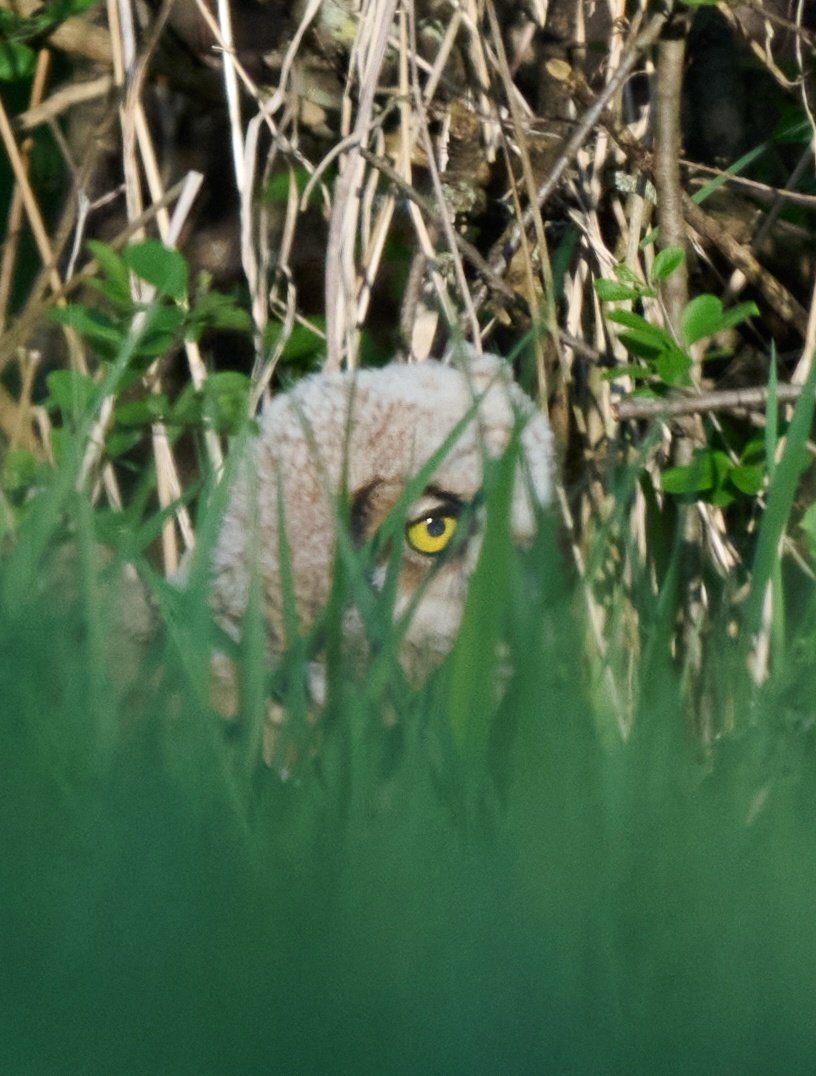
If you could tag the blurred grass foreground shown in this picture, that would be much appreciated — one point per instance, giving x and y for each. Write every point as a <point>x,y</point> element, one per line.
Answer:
<point>459,891</point>
<point>586,844</point>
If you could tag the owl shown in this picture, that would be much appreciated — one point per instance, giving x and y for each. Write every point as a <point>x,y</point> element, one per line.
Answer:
<point>334,460</point>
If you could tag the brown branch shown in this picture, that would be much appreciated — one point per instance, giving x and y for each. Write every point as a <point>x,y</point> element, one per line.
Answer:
<point>671,224</point>
<point>778,297</point>
<point>760,192</point>
<point>472,255</point>
<point>750,399</point>
<point>76,93</point>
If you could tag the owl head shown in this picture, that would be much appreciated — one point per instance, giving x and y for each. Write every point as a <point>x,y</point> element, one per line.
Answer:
<point>392,460</point>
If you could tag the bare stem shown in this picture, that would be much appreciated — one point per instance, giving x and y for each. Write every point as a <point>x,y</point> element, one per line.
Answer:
<point>671,55</point>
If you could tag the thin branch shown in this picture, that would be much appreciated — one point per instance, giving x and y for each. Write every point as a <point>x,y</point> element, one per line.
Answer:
<point>777,296</point>
<point>750,399</point>
<point>672,226</point>
<point>77,93</point>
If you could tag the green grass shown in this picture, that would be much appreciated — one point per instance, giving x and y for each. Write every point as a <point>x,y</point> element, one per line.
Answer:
<point>476,889</point>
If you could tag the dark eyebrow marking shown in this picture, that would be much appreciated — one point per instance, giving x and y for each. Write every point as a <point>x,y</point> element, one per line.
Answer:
<point>445,496</point>
<point>447,505</point>
<point>360,511</point>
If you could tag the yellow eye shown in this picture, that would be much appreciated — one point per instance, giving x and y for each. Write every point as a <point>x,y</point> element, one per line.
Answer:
<point>431,534</point>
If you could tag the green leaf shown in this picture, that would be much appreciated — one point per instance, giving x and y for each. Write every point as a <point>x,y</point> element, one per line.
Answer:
<point>780,501</point>
<point>97,329</point>
<point>712,474</point>
<point>737,314</point>
<point>637,373</point>
<point>722,493</point>
<point>213,310</point>
<point>70,391</point>
<point>642,339</point>
<point>60,440</point>
<point>771,431</point>
<point>225,400</point>
<point>754,451</point>
<point>479,634</point>
<point>142,412</point>
<point>276,191</point>
<point>666,262</point>
<point>161,332</point>
<point>672,366</point>
<point>160,266</point>
<point>302,344</point>
<point>695,477</point>
<point>120,441</point>
<point>645,328</point>
<point>702,317</point>
<point>612,291</point>
<point>20,469</point>
<point>748,478</point>
<point>188,408</point>
<point>626,275</point>
<point>808,525</point>
<point>116,285</point>
<point>16,61</point>
<point>640,348</point>
<point>60,10</point>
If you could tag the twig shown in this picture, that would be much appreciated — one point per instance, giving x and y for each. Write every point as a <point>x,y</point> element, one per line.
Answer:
<point>546,287</point>
<point>777,296</point>
<point>671,224</point>
<point>77,93</point>
<point>750,399</point>
<point>760,192</point>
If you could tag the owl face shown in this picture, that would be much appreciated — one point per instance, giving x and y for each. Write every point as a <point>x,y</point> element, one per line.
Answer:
<point>438,540</point>
<point>398,456</point>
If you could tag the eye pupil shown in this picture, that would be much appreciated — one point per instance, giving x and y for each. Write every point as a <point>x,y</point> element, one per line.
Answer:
<point>431,534</point>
